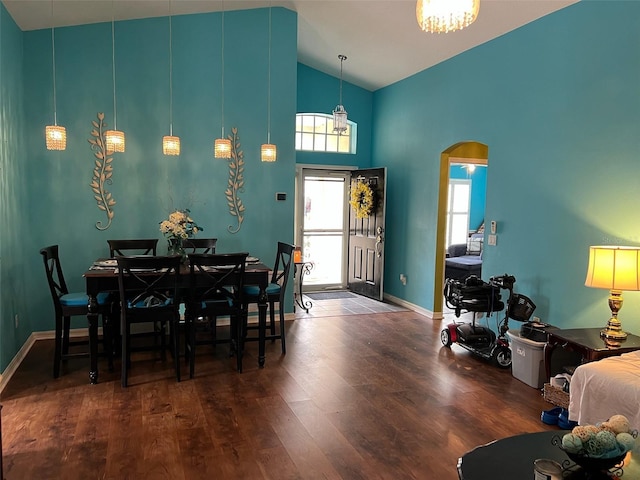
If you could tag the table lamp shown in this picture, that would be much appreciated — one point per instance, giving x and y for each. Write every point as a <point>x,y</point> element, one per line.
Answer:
<point>616,269</point>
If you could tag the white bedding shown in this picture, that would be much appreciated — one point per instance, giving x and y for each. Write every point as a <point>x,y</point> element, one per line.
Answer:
<point>604,388</point>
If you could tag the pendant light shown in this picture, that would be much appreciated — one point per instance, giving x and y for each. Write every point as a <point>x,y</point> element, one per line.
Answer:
<point>340,114</point>
<point>114,139</point>
<point>55,135</point>
<point>268,151</point>
<point>443,16</point>
<point>170,144</point>
<point>222,145</point>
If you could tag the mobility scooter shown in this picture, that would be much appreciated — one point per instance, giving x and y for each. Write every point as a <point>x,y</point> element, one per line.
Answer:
<point>477,296</point>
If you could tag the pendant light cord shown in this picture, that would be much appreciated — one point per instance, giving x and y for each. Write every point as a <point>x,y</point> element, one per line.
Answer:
<point>269,84</point>
<point>342,58</point>
<point>53,62</point>
<point>113,67</point>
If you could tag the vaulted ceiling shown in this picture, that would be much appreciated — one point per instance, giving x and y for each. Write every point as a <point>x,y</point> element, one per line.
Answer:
<point>381,39</point>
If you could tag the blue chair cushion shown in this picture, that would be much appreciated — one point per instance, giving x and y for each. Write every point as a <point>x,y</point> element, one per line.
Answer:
<point>254,290</point>
<point>79,299</point>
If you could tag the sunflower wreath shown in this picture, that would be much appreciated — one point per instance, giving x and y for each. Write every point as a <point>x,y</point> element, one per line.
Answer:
<point>361,199</point>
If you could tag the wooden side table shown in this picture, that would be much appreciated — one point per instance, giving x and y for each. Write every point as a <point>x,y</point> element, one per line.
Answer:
<point>586,342</point>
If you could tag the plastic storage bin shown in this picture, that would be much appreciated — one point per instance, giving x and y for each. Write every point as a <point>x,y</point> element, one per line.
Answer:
<point>527,359</point>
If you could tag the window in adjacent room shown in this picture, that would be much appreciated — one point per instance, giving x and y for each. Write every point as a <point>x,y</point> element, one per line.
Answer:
<point>458,211</point>
<point>314,132</point>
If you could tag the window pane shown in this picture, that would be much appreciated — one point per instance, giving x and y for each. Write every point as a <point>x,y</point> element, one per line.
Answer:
<point>332,143</point>
<point>307,123</point>
<point>299,123</point>
<point>324,203</point>
<point>459,228</point>
<point>321,125</point>
<point>326,254</point>
<point>344,144</point>
<point>298,141</point>
<point>319,143</point>
<point>307,141</point>
<point>460,197</point>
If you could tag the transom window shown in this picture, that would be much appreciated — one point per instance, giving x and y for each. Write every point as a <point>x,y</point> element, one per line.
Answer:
<point>314,132</point>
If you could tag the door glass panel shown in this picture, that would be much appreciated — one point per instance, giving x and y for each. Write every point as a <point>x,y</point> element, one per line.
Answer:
<point>323,203</point>
<point>323,230</point>
<point>325,251</point>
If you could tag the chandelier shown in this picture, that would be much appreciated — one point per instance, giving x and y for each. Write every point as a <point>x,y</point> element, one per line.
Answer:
<point>442,16</point>
<point>340,114</point>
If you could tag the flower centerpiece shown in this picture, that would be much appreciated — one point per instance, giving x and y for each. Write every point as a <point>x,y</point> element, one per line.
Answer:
<point>178,227</point>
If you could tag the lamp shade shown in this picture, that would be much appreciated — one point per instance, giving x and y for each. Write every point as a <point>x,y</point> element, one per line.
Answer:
<point>614,268</point>
<point>222,148</point>
<point>56,137</point>
<point>171,145</point>
<point>268,152</point>
<point>115,140</point>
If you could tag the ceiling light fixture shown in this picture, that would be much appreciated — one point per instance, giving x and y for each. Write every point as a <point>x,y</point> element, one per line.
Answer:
<point>55,135</point>
<point>340,114</point>
<point>114,139</point>
<point>170,144</point>
<point>268,151</point>
<point>443,16</point>
<point>222,145</point>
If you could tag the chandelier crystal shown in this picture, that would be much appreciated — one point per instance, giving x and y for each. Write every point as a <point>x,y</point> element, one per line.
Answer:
<point>443,16</point>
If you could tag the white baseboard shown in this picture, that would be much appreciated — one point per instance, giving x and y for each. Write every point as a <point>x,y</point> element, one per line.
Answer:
<point>416,308</point>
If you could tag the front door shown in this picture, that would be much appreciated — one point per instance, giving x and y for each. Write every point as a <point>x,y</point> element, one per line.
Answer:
<point>366,232</point>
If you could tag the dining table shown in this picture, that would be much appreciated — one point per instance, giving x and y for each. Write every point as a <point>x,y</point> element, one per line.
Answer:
<point>102,276</point>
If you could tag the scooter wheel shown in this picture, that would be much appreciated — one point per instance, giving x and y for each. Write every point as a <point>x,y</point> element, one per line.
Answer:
<point>445,337</point>
<point>501,356</point>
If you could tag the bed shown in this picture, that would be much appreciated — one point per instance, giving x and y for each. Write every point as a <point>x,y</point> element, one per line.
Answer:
<point>604,388</point>
<point>464,259</point>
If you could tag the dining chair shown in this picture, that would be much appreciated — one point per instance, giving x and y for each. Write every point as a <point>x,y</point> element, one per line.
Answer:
<point>148,287</point>
<point>215,289</point>
<point>275,294</point>
<point>200,245</point>
<point>137,246</point>
<point>71,304</point>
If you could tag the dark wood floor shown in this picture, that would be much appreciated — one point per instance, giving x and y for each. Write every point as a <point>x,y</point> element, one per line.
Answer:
<point>356,397</point>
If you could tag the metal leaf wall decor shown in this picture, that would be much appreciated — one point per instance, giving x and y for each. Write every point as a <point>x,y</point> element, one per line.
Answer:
<point>236,181</point>
<point>102,171</point>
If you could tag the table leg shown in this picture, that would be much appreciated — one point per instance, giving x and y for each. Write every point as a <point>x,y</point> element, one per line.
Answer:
<point>92,318</point>
<point>548,350</point>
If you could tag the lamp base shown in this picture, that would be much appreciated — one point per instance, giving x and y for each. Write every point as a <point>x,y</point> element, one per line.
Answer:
<point>613,334</point>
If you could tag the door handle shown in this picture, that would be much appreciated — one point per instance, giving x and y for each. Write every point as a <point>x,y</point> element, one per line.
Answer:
<point>379,240</point>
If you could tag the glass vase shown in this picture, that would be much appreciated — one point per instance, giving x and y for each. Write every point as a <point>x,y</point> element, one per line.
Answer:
<point>176,247</point>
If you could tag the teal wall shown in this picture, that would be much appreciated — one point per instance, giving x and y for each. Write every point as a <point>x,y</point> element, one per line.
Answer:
<point>319,93</point>
<point>51,200</point>
<point>15,225</point>
<point>478,192</point>
<point>557,103</point>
